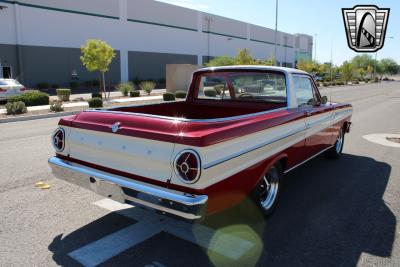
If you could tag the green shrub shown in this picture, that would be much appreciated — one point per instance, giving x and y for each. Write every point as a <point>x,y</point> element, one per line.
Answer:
<point>63,94</point>
<point>43,86</point>
<point>56,106</point>
<point>376,80</point>
<point>14,108</point>
<point>180,94</point>
<point>98,95</point>
<point>210,92</point>
<point>386,79</point>
<point>147,86</point>
<point>219,88</point>
<point>125,88</point>
<point>135,93</point>
<point>95,102</point>
<point>366,80</point>
<point>31,98</point>
<point>55,86</point>
<point>355,82</point>
<point>325,84</point>
<point>73,84</point>
<point>168,96</point>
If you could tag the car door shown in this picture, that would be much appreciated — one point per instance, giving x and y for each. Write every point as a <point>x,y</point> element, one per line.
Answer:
<point>318,116</point>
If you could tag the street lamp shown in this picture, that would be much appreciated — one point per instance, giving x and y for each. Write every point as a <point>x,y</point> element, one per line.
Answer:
<point>315,47</point>
<point>276,30</point>
<point>209,21</point>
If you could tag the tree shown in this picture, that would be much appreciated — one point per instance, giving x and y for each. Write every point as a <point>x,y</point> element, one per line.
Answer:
<point>97,55</point>
<point>347,71</point>
<point>308,66</point>
<point>389,66</point>
<point>244,57</point>
<point>221,61</point>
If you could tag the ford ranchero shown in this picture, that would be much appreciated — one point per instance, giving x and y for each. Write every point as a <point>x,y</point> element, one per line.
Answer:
<point>238,132</point>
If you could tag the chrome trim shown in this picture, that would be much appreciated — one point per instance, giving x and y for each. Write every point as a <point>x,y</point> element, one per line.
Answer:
<point>240,153</point>
<point>124,190</point>
<point>310,158</point>
<point>198,162</point>
<point>184,119</point>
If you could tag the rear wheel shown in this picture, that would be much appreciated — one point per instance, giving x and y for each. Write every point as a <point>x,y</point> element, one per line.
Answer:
<point>267,192</point>
<point>336,151</point>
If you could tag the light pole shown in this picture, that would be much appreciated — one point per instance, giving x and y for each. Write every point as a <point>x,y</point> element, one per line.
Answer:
<point>276,30</point>
<point>315,47</point>
<point>209,20</point>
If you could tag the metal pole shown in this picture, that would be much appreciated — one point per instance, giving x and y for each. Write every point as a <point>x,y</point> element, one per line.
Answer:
<point>276,30</point>
<point>315,47</point>
<point>331,60</point>
<point>376,58</point>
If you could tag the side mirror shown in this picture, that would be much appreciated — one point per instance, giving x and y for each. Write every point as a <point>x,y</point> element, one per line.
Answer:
<point>324,100</point>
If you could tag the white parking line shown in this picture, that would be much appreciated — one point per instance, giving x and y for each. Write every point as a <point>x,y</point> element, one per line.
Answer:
<point>112,245</point>
<point>149,224</point>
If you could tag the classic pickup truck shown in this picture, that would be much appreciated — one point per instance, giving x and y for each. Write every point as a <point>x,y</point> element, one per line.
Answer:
<point>238,132</point>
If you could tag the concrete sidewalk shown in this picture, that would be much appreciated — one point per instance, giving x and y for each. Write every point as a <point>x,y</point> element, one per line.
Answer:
<point>85,104</point>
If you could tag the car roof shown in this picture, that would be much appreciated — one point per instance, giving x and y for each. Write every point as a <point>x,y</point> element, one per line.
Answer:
<point>253,67</point>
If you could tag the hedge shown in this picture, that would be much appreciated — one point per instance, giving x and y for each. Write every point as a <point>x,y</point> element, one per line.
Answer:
<point>63,94</point>
<point>134,93</point>
<point>95,102</point>
<point>31,98</point>
<point>180,94</point>
<point>168,96</point>
<point>210,93</point>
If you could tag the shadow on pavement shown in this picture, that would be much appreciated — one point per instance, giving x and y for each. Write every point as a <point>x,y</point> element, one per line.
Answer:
<point>329,214</point>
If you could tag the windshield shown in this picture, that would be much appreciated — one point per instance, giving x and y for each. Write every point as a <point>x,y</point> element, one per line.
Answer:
<point>243,86</point>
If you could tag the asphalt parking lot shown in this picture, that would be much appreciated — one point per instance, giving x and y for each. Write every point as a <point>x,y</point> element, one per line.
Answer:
<point>332,213</point>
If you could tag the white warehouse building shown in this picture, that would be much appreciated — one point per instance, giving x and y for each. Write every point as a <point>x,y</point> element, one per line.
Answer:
<point>40,39</point>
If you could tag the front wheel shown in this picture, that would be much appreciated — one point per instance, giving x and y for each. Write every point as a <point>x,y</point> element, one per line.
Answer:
<point>336,151</point>
<point>267,192</point>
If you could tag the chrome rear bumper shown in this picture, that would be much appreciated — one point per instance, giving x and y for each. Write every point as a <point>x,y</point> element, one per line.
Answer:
<point>124,190</point>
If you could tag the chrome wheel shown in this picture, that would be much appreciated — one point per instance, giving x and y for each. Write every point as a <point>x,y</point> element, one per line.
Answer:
<point>339,142</point>
<point>268,191</point>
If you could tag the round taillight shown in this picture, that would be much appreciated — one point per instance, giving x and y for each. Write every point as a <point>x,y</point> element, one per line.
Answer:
<point>188,166</point>
<point>58,139</point>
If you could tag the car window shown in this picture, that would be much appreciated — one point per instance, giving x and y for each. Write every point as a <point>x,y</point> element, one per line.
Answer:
<point>269,87</point>
<point>213,87</point>
<point>304,90</point>
<point>251,86</point>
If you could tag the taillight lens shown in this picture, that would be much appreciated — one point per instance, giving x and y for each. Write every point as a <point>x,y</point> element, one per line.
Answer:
<point>23,89</point>
<point>2,90</point>
<point>187,166</point>
<point>58,139</point>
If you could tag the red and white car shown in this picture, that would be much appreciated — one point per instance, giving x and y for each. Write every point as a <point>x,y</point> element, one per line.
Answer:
<point>238,132</point>
<point>10,87</point>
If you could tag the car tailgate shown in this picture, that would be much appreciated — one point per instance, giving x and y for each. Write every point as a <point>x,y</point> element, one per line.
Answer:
<point>141,145</point>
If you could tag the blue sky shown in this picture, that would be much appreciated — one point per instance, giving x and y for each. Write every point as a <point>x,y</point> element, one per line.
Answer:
<point>321,17</point>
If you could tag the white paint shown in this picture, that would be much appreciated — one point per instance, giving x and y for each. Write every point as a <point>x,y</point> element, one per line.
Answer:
<point>135,99</point>
<point>231,246</point>
<point>113,244</point>
<point>381,139</point>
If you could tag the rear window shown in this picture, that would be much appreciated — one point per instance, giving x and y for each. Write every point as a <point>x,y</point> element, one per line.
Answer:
<point>243,86</point>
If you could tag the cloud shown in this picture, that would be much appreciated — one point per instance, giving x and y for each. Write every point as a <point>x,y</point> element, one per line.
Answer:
<point>187,3</point>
